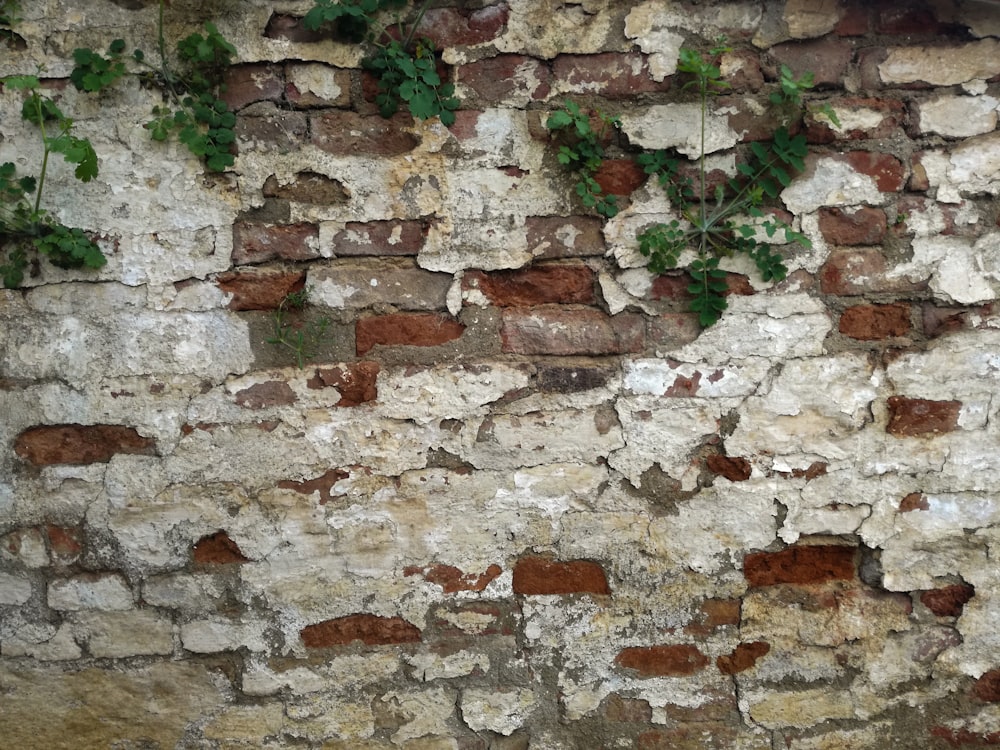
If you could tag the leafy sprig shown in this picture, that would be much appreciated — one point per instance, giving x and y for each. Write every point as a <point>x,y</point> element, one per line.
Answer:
<point>583,152</point>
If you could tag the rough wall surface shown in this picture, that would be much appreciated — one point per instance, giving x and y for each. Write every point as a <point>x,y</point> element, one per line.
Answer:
<point>520,500</point>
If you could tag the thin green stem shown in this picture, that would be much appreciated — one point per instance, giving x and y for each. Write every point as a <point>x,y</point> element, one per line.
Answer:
<point>47,151</point>
<point>416,22</point>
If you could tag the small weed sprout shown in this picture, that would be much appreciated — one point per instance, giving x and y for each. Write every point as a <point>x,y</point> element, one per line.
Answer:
<point>302,337</point>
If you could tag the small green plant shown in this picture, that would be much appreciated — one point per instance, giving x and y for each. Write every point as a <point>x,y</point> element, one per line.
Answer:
<point>191,89</point>
<point>731,220</point>
<point>303,337</point>
<point>9,10</point>
<point>583,152</point>
<point>406,67</point>
<point>24,224</point>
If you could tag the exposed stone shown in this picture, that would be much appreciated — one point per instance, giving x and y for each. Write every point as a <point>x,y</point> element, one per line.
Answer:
<point>80,444</point>
<point>14,589</point>
<point>959,116</point>
<point>502,712</point>
<point>90,591</point>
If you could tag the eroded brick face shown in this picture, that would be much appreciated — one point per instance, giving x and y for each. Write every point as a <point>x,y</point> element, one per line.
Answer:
<point>663,661</point>
<point>875,322</point>
<point>217,549</point>
<point>401,329</point>
<point>800,565</point>
<point>540,576</point>
<point>80,444</point>
<point>371,630</point>
<point>916,417</point>
<point>536,286</point>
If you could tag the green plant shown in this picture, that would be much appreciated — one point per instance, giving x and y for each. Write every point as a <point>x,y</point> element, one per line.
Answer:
<point>9,10</point>
<point>733,219</point>
<point>191,89</point>
<point>406,67</point>
<point>303,337</point>
<point>24,223</point>
<point>583,152</point>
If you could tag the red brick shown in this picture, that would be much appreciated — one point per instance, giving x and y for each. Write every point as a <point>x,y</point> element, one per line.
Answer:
<point>255,82</point>
<point>827,59</point>
<point>863,226</point>
<point>537,285</point>
<point>80,444</point>
<point>290,28</point>
<point>965,737</point>
<point>743,71</point>
<point>948,601</point>
<point>906,20</point>
<point>263,395</point>
<point>452,580</point>
<point>259,291</point>
<point>856,20</point>
<point>913,501</point>
<point>65,543</point>
<point>277,131</point>
<point>392,237</point>
<point>713,614</point>
<point>887,170</point>
<point>511,79</point>
<point>850,271</point>
<point>566,332</point>
<point>347,133</point>
<point>743,657</point>
<point>565,236</point>
<point>453,27</point>
<point>674,329</point>
<point>217,549</point>
<point>612,75</point>
<point>405,329</point>
<point>679,660</point>
<point>627,710</point>
<point>372,630</point>
<point>733,468</point>
<point>309,99</point>
<point>915,417</point>
<point>800,565</point>
<point>875,322</point>
<point>307,187</point>
<point>257,243</point>
<point>322,484</point>
<point>620,176</point>
<point>357,382</point>
<point>539,576</point>
<point>987,687</point>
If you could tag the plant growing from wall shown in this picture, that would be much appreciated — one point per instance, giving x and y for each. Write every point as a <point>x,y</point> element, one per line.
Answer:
<point>288,329</point>
<point>583,152</point>
<point>24,224</point>
<point>191,88</point>
<point>8,17</point>
<point>405,66</point>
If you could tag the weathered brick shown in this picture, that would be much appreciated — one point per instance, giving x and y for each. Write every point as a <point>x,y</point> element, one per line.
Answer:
<point>733,468</point>
<point>505,79</point>
<point>679,660</point>
<point>317,85</point>
<point>627,710</point>
<point>861,118</point>
<point>307,187</point>
<point>855,21</point>
<point>863,226</point>
<point>290,28</point>
<point>80,444</point>
<point>65,543</point>
<point>255,82</point>
<point>258,243</point>
<point>827,59</point>
<point>372,630</point>
<point>875,322</point>
<point>393,237</point>
<point>454,27</point>
<point>263,290</point>
<point>565,236</point>
<point>322,484</point>
<point>800,565</point>
<point>743,657</point>
<point>360,284</point>
<point>987,687</point>
<point>673,329</point>
<point>698,735</point>
<point>610,74</point>
<point>887,170</point>
<point>452,579</point>
<point>620,176</point>
<point>217,549</point>
<point>965,737</point>
<point>850,271</point>
<point>906,20</point>
<point>536,285</point>
<point>915,417</point>
<point>569,379</point>
<point>357,382</point>
<point>264,395</point>
<point>405,329</point>
<point>347,133</point>
<point>914,501</point>
<point>947,601</point>
<point>565,332</point>
<point>277,130</point>
<point>539,576</point>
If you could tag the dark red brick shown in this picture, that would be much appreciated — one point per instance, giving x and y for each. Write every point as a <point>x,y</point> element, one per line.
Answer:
<point>743,71</point>
<point>505,79</point>
<point>987,687</point>
<point>565,236</point>
<point>948,601</point>
<point>609,74</point>
<point>539,576</point>
<point>405,329</point>
<point>913,501</point>
<point>886,169</point>
<point>254,82</point>
<point>346,133</point>
<point>565,332</point>
<point>743,657</point>
<point>357,382</point>
<point>372,630</point>
<point>263,395</point>
<point>965,737</point>
<point>452,580</point>
<point>322,484</point>
<point>620,176</point>
<point>453,27</point>
<point>392,237</point>
<point>856,20</point>
<point>800,565</point>
<point>714,614</point>
<point>733,468</point>
<point>537,285</point>
<point>680,660</point>
<point>258,243</point>
<point>863,226</point>
<point>875,322</point>
<point>674,329</point>
<point>80,444</point>
<point>906,20</point>
<point>696,735</point>
<point>916,417</point>
<point>307,187</point>
<point>217,549</point>
<point>259,291</point>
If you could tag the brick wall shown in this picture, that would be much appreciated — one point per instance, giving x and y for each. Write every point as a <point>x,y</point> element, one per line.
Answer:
<point>519,498</point>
